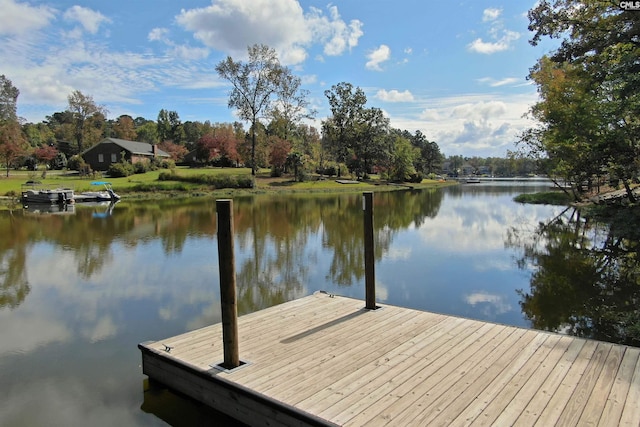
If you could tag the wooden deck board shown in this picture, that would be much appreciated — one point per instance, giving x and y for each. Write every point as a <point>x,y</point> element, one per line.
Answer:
<point>324,360</point>
<point>620,390</point>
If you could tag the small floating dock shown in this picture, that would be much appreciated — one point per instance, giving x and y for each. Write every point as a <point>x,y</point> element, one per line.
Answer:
<point>325,360</point>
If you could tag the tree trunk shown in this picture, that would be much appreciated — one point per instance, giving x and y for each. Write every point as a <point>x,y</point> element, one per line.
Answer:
<point>632,197</point>
<point>253,151</point>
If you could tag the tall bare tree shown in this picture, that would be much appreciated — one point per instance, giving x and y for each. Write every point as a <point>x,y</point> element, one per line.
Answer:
<point>8,99</point>
<point>83,107</point>
<point>292,104</point>
<point>254,85</point>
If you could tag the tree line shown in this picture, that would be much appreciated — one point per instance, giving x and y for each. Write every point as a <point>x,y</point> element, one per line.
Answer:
<point>355,139</point>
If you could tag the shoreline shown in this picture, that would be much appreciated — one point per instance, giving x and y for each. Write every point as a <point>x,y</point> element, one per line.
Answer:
<point>11,202</point>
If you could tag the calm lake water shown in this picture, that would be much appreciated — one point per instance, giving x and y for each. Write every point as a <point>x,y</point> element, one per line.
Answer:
<point>80,290</point>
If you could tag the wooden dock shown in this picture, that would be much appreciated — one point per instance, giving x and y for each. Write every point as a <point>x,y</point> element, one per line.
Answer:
<point>324,360</point>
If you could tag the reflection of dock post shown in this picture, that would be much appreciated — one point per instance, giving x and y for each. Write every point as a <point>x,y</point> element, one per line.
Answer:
<point>226,261</point>
<point>369,257</point>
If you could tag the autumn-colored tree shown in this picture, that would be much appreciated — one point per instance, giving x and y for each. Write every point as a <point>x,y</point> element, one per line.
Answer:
<point>219,147</point>
<point>45,155</point>
<point>176,151</point>
<point>280,149</point>
<point>124,128</point>
<point>13,145</point>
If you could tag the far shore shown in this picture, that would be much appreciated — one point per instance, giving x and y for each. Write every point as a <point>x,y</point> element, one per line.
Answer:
<point>129,187</point>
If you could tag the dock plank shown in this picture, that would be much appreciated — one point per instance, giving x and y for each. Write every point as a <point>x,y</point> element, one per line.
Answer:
<point>384,374</point>
<point>324,360</point>
<point>631,411</point>
<point>619,391</point>
<point>545,392</point>
<point>575,408</point>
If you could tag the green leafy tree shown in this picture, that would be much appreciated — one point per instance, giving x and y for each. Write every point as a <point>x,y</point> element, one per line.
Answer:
<point>369,145</point>
<point>169,127</point>
<point>254,85</point>
<point>339,130</point>
<point>38,134</point>
<point>597,62</point>
<point>402,160</point>
<point>147,132</point>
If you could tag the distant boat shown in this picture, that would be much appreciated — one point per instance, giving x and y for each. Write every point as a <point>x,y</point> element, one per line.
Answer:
<point>35,192</point>
<point>473,181</point>
<point>105,195</point>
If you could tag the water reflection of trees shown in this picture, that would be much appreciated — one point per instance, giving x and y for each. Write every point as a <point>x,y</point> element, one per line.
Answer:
<point>14,284</point>
<point>392,211</point>
<point>272,235</point>
<point>586,275</point>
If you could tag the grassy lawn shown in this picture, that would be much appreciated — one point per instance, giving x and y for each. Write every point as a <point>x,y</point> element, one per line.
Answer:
<point>147,185</point>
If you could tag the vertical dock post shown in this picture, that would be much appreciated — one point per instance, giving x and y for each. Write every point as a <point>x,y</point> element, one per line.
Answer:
<point>226,262</point>
<point>369,256</point>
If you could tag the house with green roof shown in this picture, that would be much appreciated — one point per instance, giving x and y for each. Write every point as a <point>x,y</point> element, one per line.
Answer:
<point>114,150</point>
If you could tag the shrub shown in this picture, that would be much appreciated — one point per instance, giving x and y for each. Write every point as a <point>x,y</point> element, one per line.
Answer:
<point>123,169</point>
<point>416,177</point>
<point>59,162</point>
<point>76,163</point>
<point>141,167</point>
<point>216,181</point>
<point>329,171</point>
<point>168,164</point>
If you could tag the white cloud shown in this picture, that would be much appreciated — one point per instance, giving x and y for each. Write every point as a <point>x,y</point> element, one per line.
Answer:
<point>177,50</point>
<point>503,43</point>
<point>158,34</point>
<point>377,57</point>
<point>483,110</point>
<point>232,25</point>
<point>335,35</point>
<point>491,14</point>
<point>394,96</point>
<point>89,19</point>
<point>472,125</point>
<point>501,39</point>
<point>502,82</point>
<point>22,19</point>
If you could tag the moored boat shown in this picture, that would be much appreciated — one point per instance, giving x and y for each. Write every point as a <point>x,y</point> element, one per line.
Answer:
<point>105,195</point>
<point>35,192</point>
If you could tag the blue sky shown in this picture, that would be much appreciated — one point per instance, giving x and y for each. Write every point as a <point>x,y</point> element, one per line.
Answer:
<point>454,70</point>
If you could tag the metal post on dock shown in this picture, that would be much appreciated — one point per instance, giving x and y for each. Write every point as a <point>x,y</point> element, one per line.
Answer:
<point>369,256</point>
<point>228,300</point>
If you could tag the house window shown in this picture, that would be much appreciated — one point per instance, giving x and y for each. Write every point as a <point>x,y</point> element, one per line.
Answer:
<point>113,158</point>
<point>100,158</point>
